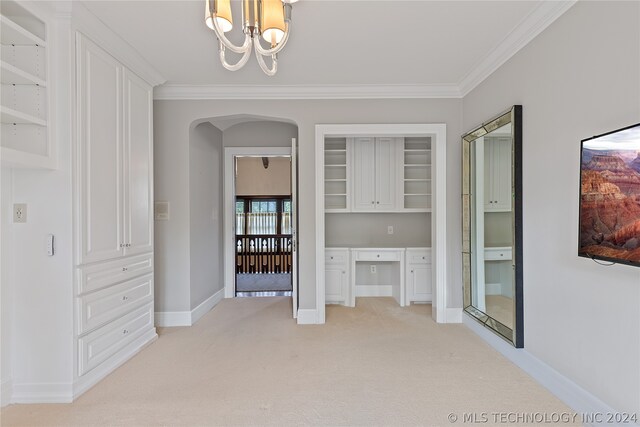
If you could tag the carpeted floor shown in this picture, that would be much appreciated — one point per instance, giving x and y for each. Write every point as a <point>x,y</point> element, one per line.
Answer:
<point>246,282</point>
<point>247,363</point>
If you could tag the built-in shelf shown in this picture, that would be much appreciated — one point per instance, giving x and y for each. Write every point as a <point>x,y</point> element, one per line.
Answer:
<point>14,75</point>
<point>11,116</point>
<point>12,33</point>
<point>417,174</point>
<point>335,174</point>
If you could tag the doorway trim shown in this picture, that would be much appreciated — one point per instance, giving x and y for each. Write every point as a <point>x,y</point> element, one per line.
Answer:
<point>229,205</point>
<point>438,132</point>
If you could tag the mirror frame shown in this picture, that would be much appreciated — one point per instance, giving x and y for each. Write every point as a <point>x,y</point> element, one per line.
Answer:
<point>514,115</point>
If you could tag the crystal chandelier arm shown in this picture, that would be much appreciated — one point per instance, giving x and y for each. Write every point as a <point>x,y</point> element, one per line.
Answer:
<point>274,62</point>
<point>246,46</point>
<point>237,65</point>
<point>279,46</point>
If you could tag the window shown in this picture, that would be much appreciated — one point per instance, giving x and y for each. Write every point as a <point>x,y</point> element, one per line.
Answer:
<point>270,215</point>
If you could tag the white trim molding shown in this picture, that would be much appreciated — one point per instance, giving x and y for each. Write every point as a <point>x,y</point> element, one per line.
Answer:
<point>577,398</point>
<point>195,92</point>
<point>532,25</point>
<point>438,132</point>
<point>307,316</point>
<point>6,390</point>
<point>168,319</point>
<point>42,393</point>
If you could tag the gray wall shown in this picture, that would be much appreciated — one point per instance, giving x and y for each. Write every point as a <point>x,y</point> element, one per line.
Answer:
<point>205,199</point>
<point>370,229</point>
<point>580,77</point>
<point>173,119</point>
<point>260,134</point>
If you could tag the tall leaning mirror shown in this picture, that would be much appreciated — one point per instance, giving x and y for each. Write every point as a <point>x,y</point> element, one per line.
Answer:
<point>492,225</point>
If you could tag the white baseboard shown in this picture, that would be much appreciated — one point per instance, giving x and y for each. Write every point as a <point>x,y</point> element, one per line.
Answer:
<point>167,319</point>
<point>453,315</point>
<point>577,398</point>
<point>307,316</point>
<point>97,374</point>
<point>206,306</point>
<point>42,393</point>
<point>374,290</point>
<point>6,391</point>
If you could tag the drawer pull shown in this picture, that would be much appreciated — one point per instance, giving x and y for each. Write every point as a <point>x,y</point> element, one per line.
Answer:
<point>378,255</point>
<point>124,298</point>
<point>125,332</point>
<point>124,268</point>
<point>331,257</point>
<point>422,257</point>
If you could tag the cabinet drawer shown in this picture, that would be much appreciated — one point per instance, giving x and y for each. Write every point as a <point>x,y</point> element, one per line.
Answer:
<point>497,254</point>
<point>111,303</point>
<point>418,257</point>
<point>383,255</point>
<point>99,345</point>
<point>336,256</point>
<point>101,275</point>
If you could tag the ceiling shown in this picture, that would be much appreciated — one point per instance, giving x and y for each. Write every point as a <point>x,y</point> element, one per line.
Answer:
<point>348,42</point>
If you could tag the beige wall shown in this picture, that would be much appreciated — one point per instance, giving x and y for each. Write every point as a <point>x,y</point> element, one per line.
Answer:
<point>252,179</point>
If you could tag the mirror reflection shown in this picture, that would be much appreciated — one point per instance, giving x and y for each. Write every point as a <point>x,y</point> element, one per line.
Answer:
<point>490,241</point>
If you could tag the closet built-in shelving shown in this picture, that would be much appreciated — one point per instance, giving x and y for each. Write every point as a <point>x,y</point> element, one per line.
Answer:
<point>24,101</point>
<point>335,175</point>
<point>417,174</point>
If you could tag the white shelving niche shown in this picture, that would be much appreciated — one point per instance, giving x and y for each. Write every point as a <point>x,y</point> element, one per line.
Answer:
<point>417,174</point>
<point>336,173</point>
<point>24,106</point>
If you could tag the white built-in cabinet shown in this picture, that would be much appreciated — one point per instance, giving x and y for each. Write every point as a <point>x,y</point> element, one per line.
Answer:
<point>24,106</point>
<point>336,275</point>
<point>114,183</point>
<point>418,275</point>
<point>337,191</point>
<point>374,174</point>
<point>114,157</point>
<point>497,174</point>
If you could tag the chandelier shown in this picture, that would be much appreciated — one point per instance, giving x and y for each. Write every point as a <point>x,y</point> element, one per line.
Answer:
<point>269,19</point>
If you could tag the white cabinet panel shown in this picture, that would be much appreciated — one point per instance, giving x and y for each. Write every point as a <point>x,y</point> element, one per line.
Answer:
<point>386,180</point>
<point>364,174</point>
<point>138,151</point>
<point>497,174</point>
<point>336,276</point>
<point>102,275</point>
<point>99,90</point>
<point>419,275</point>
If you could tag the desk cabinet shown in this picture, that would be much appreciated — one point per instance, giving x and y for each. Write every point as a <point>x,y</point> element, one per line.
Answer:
<point>418,283</point>
<point>336,276</point>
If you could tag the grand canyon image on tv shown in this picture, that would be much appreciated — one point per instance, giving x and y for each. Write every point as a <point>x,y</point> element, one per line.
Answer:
<point>610,197</point>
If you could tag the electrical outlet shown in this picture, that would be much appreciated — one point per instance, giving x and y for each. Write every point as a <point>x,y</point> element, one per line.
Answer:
<point>373,269</point>
<point>19,212</point>
<point>390,229</point>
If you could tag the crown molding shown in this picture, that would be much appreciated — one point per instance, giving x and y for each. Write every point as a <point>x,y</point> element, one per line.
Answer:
<point>532,25</point>
<point>193,92</point>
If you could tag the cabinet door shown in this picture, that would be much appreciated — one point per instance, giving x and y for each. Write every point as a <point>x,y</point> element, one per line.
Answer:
<point>502,174</point>
<point>419,283</point>
<point>335,278</point>
<point>100,132</point>
<point>385,173</point>
<point>138,157</point>
<point>364,174</point>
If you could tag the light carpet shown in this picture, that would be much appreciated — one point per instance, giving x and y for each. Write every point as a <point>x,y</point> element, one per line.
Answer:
<point>247,363</point>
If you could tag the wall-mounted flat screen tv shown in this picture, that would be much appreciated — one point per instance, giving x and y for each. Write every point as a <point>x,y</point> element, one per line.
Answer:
<point>610,196</point>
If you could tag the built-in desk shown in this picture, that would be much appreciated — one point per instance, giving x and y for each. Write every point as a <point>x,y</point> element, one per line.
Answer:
<point>401,273</point>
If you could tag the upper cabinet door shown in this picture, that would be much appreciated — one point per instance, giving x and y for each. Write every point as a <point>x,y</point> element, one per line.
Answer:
<point>138,162</point>
<point>100,132</point>
<point>364,192</point>
<point>386,179</point>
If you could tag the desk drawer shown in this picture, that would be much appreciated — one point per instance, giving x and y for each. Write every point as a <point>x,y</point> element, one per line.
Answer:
<point>101,275</point>
<point>111,303</point>
<point>103,343</point>
<point>382,255</point>
<point>498,254</point>
<point>336,256</point>
<point>415,256</point>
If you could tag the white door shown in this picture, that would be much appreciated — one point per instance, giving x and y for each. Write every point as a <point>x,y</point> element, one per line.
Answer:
<point>294,226</point>
<point>502,166</point>
<point>99,92</point>
<point>364,174</point>
<point>385,173</point>
<point>138,154</point>
<point>420,283</point>
<point>335,284</point>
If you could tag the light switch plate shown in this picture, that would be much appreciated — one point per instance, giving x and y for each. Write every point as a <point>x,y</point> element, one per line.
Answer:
<point>161,211</point>
<point>390,229</point>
